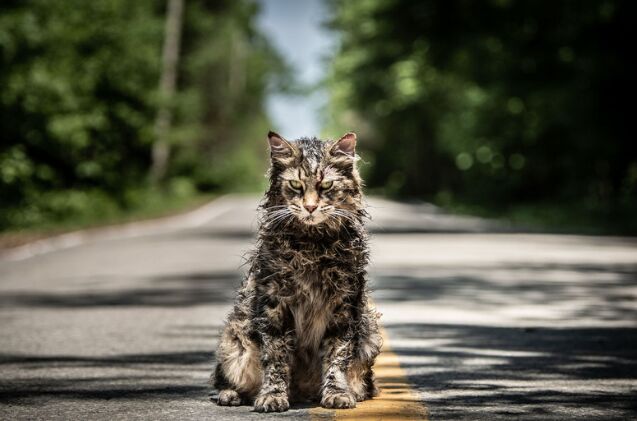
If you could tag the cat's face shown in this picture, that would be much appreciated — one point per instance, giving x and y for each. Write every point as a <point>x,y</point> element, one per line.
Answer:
<point>316,181</point>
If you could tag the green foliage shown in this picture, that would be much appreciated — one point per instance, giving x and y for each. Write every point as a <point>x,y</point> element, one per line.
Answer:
<point>490,102</point>
<point>226,73</point>
<point>62,210</point>
<point>79,99</point>
<point>76,97</point>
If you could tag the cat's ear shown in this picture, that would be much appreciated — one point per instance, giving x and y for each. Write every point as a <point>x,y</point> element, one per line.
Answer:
<point>345,145</point>
<point>279,146</point>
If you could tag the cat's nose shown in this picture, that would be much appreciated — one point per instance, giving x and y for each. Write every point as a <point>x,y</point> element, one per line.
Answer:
<point>310,208</point>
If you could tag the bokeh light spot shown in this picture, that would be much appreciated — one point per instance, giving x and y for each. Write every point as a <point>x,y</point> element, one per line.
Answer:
<point>484,154</point>
<point>464,161</point>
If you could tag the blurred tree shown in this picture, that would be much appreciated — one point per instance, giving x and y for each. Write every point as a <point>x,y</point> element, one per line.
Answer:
<point>168,80</point>
<point>493,102</point>
<point>76,102</point>
<point>79,98</point>
<point>227,70</point>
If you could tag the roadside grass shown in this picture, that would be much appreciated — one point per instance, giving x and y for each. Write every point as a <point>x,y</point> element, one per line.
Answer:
<point>563,218</point>
<point>147,204</point>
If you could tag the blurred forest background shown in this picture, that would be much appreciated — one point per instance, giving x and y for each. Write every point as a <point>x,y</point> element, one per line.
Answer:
<point>517,109</point>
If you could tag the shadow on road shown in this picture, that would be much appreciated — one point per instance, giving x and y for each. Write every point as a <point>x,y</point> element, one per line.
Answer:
<point>176,290</point>
<point>556,342</point>
<point>125,377</point>
<point>530,372</point>
<point>583,291</point>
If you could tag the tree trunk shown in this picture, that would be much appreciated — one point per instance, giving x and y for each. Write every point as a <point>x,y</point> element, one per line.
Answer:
<point>170,59</point>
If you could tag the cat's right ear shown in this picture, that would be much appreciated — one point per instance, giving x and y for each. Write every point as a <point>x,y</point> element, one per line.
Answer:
<point>279,147</point>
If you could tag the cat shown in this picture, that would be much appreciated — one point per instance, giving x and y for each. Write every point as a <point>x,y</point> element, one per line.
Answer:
<point>301,328</point>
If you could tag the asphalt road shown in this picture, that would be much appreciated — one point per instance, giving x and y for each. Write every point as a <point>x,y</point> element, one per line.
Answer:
<point>487,323</point>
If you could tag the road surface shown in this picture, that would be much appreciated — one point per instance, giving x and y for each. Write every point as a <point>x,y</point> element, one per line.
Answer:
<point>483,323</point>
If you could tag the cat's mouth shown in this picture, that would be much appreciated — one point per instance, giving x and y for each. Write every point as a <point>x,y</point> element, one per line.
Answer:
<point>313,218</point>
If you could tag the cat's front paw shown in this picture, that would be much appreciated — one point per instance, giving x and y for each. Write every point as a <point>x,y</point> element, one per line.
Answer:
<point>229,397</point>
<point>338,400</point>
<point>360,396</point>
<point>272,402</point>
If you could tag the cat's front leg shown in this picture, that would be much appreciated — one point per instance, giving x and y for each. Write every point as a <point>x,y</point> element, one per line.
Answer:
<point>276,352</point>
<point>335,391</point>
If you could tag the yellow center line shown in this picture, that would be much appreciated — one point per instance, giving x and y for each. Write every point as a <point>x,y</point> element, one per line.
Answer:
<point>397,401</point>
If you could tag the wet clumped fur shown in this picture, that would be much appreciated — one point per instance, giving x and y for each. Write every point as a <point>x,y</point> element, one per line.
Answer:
<point>302,328</point>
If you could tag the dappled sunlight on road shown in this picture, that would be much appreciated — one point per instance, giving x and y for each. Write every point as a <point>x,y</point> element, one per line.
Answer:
<point>500,326</point>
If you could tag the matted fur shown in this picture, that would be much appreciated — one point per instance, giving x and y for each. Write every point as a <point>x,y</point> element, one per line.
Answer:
<point>302,328</point>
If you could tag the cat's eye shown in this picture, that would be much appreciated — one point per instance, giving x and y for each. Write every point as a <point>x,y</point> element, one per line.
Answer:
<point>296,184</point>
<point>326,184</point>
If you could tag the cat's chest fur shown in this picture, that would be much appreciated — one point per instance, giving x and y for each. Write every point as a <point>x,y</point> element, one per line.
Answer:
<point>310,277</point>
<point>312,307</point>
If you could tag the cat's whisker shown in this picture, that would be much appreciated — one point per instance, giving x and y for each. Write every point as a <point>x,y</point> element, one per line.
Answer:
<point>340,224</point>
<point>283,221</point>
<point>278,218</point>
<point>347,215</point>
<point>277,213</point>
<point>274,217</point>
<point>271,222</point>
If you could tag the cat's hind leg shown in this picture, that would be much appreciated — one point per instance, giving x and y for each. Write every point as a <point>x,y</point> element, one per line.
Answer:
<point>357,380</point>
<point>238,372</point>
<point>227,395</point>
<point>360,376</point>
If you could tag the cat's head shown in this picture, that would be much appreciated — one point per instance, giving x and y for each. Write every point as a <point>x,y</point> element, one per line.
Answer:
<point>313,182</point>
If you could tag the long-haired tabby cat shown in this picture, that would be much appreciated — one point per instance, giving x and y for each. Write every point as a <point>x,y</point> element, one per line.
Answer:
<point>301,328</point>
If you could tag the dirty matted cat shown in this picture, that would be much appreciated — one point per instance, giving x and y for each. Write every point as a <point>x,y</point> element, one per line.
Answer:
<point>302,328</point>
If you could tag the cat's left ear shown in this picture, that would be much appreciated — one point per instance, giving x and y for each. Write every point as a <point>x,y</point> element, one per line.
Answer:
<point>278,145</point>
<point>345,145</point>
